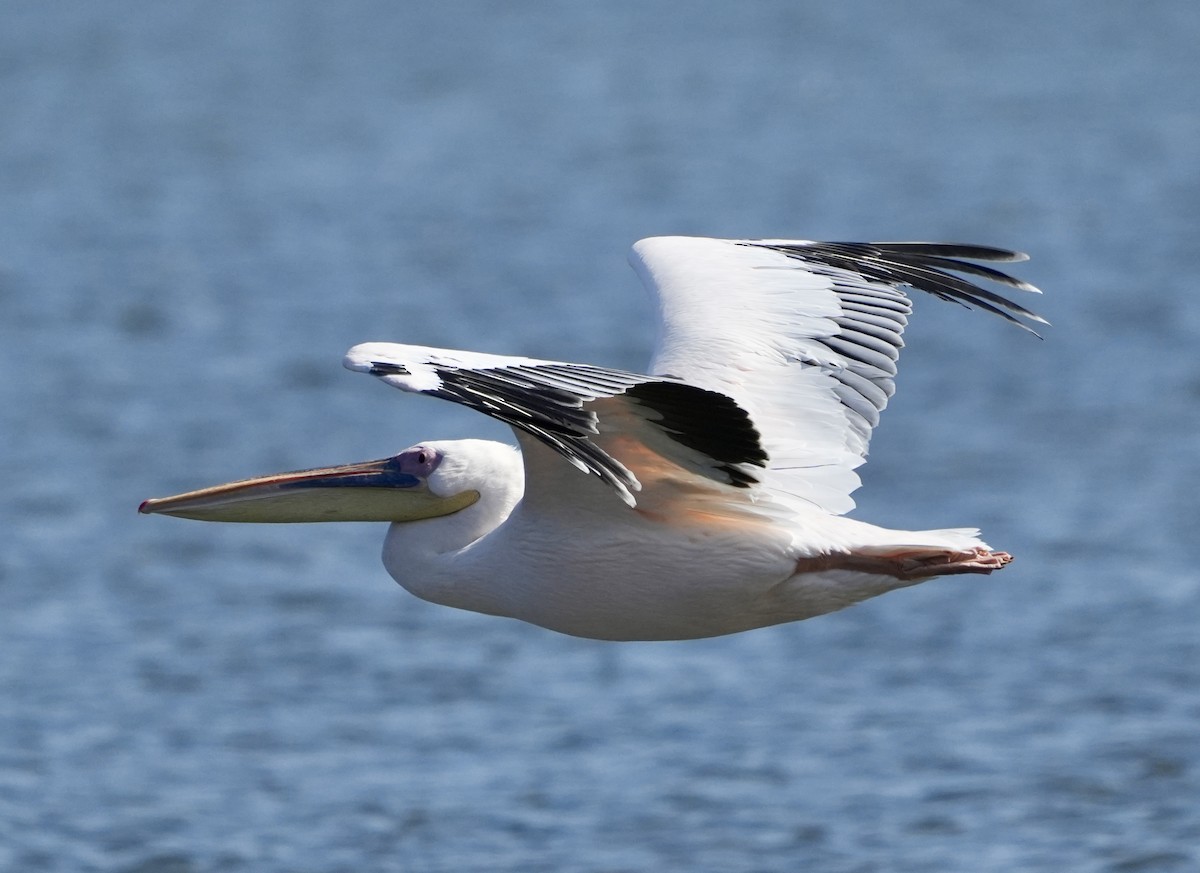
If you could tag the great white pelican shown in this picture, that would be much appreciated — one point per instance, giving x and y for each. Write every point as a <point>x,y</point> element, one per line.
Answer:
<point>704,497</point>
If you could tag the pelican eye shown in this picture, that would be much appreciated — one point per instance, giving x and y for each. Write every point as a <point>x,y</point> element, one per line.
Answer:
<point>419,460</point>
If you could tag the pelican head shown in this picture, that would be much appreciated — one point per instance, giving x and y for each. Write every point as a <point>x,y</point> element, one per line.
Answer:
<point>406,487</point>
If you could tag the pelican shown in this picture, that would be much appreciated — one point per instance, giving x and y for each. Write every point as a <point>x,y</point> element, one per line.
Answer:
<point>705,497</point>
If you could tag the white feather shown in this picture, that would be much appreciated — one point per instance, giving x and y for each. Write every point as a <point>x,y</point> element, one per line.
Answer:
<point>753,323</point>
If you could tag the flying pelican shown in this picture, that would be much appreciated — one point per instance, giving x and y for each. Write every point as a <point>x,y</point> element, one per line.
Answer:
<point>704,498</point>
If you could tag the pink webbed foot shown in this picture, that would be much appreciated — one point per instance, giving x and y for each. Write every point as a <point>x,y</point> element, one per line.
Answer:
<point>907,564</point>
<point>921,564</point>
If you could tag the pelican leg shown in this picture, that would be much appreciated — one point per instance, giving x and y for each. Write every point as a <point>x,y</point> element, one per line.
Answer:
<point>908,564</point>
<point>920,565</point>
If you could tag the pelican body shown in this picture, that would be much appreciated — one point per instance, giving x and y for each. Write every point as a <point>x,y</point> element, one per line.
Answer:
<point>705,497</point>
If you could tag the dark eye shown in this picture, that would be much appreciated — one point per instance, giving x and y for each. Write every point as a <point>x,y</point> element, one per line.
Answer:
<point>419,460</point>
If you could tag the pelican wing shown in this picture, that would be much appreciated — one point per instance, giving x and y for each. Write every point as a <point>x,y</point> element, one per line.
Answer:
<point>775,359</point>
<point>622,427</point>
<point>804,336</point>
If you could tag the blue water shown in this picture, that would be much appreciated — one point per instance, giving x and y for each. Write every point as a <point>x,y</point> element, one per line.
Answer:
<point>203,205</point>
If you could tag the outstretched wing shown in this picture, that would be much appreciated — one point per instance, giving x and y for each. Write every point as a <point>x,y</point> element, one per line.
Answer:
<point>625,428</point>
<point>805,336</point>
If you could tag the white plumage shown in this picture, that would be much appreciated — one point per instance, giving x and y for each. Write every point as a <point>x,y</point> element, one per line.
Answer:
<point>703,498</point>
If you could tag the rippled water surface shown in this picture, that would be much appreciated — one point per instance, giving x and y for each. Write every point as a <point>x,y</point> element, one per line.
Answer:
<point>204,205</point>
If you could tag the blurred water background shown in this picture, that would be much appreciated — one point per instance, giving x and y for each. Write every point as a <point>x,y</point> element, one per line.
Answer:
<point>204,205</point>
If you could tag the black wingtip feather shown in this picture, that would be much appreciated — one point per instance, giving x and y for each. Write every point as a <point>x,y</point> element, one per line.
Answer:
<point>948,250</point>
<point>928,267</point>
<point>385,368</point>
